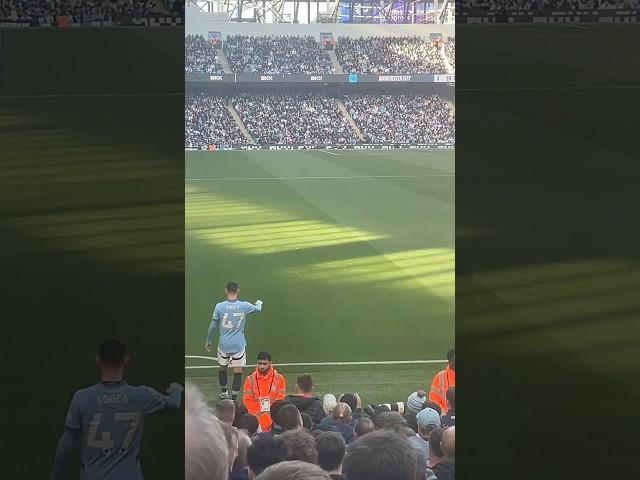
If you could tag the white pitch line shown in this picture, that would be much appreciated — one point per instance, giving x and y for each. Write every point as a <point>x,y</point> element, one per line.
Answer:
<point>315,177</point>
<point>314,364</point>
<point>329,153</point>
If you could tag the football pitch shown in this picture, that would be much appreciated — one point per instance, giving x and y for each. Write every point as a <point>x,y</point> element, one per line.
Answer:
<point>352,253</point>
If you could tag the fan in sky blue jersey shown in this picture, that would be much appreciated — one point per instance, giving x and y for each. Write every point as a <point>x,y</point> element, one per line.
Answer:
<point>230,318</point>
<point>106,420</point>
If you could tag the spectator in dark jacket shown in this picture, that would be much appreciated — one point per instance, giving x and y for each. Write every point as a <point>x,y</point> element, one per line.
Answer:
<point>304,399</point>
<point>340,421</point>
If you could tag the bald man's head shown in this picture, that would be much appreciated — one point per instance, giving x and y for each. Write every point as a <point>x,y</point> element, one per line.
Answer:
<point>449,443</point>
<point>226,411</point>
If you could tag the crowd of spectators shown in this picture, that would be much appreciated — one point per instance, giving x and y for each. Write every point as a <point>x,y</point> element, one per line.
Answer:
<point>450,51</point>
<point>305,55</point>
<point>200,56</point>
<point>276,54</point>
<point>208,122</point>
<point>316,120</point>
<point>389,55</point>
<point>309,439</point>
<point>74,11</point>
<point>307,119</point>
<point>558,5</point>
<point>402,118</point>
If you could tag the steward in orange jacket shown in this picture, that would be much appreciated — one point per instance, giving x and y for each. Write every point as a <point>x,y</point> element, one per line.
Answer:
<point>261,389</point>
<point>442,381</point>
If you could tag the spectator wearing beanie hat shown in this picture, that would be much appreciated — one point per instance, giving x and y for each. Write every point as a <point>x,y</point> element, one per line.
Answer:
<point>428,420</point>
<point>415,402</point>
<point>329,402</point>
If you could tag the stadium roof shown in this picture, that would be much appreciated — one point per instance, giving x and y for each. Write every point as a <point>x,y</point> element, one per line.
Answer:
<point>331,11</point>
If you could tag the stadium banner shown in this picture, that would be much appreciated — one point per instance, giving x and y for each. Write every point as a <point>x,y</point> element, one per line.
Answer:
<point>361,146</point>
<point>319,78</point>
<point>548,16</point>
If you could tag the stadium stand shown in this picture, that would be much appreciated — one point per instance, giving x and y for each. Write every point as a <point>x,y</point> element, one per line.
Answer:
<point>276,54</point>
<point>450,50</point>
<point>402,118</point>
<point>86,12</point>
<point>293,119</point>
<point>396,55</point>
<point>305,55</point>
<point>200,56</point>
<point>388,449</point>
<point>314,119</point>
<point>208,122</point>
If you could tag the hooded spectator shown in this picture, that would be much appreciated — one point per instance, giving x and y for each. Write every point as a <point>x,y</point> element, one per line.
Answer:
<point>305,401</point>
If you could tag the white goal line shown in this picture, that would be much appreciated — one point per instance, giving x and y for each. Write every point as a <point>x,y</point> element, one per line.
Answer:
<point>313,364</point>
<point>316,177</point>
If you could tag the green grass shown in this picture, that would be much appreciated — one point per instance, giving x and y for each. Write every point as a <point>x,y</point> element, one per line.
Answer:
<point>350,269</point>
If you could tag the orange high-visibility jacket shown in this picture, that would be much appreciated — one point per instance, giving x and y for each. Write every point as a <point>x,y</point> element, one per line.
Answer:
<point>441,383</point>
<point>270,385</point>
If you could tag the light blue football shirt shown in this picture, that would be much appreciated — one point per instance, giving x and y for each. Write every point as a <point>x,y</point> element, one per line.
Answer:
<point>231,316</point>
<point>110,417</point>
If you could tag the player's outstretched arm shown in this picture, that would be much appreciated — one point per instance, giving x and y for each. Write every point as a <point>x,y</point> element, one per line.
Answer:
<point>258,305</point>
<point>157,402</point>
<point>174,395</point>
<point>67,443</point>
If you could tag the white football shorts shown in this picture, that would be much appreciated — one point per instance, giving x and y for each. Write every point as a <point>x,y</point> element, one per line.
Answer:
<point>232,359</point>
